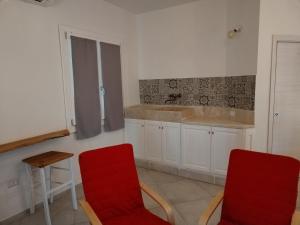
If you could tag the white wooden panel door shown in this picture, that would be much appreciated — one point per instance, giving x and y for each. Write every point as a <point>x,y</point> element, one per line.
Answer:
<point>196,142</point>
<point>223,141</point>
<point>286,109</point>
<point>171,143</point>
<point>153,140</point>
<point>135,135</point>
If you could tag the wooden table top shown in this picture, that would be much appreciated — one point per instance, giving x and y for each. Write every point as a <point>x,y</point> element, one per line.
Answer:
<point>47,158</point>
<point>32,140</point>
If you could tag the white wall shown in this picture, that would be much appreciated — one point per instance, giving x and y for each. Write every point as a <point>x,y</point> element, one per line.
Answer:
<point>183,41</point>
<point>31,78</point>
<point>191,40</point>
<point>241,57</point>
<point>277,17</point>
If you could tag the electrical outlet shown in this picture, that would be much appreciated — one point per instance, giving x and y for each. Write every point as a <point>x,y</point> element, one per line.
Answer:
<point>12,183</point>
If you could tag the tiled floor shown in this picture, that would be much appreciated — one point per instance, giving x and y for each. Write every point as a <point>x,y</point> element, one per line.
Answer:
<point>188,198</point>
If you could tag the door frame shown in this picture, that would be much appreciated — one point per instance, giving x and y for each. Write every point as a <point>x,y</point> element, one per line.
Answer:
<point>276,40</point>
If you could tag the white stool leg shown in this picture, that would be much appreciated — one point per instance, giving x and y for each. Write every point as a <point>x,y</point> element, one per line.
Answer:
<point>48,181</point>
<point>31,184</point>
<point>52,193</point>
<point>50,185</point>
<point>45,196</point>
<point>73,191</point>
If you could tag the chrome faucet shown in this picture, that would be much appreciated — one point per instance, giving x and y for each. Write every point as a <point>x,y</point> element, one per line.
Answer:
<point>173,98</point>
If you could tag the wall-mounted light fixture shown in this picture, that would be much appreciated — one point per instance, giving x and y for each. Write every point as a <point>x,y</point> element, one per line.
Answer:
<point>232,33</point>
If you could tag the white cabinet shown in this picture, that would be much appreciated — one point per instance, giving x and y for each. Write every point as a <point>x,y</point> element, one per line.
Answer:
<point>223,141</point>
<point>207,149</point>
<point>162,141</point>
<point>153,140</point>
<point>135,135</point>
<point>171,142</point>
<point>201,148</point>
<point>196,142</point>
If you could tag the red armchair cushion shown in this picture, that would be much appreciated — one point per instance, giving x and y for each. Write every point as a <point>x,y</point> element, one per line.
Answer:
<point>110,181</point>
<point>138,217</point>
<point>261,189</point>
<point>224,222</point>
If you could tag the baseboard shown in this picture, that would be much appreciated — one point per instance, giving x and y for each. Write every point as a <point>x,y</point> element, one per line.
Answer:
<point>182,172</point>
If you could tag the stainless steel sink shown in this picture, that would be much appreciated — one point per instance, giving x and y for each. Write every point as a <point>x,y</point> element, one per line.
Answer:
<point>159,113</point>
<point>171,109</point>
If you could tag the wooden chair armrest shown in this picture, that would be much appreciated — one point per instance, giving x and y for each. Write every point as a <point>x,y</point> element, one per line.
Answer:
<point>163,203</point>
<point>296,218</point>
<point>204,218</point>
<point>93,218</point>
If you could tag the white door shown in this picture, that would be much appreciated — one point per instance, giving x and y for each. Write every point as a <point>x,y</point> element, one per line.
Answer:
<point>171,143</point>
<point>153,140</point>
<point>285,133</point>
<point>135,135</point>
<point>223,141</point>
<point>196,141</point>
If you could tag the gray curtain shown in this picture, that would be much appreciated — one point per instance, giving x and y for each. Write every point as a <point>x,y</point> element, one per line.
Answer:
<point>86,87</point>
<point>112,82</point>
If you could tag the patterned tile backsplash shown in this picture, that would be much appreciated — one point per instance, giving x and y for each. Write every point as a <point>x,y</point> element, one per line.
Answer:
<point>235,92</point>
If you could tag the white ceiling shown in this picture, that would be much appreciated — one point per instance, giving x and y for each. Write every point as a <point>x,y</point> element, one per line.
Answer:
<point>141,6</point>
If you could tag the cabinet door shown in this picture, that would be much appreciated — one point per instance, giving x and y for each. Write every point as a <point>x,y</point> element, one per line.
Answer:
<point>153,140</point>
<point>196,141</point>
<point>135,135</point>
<point>223,141</point>
<point>171,143</point>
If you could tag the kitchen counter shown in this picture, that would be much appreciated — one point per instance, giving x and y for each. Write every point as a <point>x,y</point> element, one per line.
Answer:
<point>216,122</point>
<point>198,115</point>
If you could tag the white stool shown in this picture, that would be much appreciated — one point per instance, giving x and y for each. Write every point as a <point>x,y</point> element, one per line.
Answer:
<point>42,163</point>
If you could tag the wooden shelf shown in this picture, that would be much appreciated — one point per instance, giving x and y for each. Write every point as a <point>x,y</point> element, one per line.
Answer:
<point>32,140</point>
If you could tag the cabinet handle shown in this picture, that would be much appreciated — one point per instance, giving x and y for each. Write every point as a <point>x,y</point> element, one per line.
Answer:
<point>208,132</point>
<point>143,125</point>
<point>162,128</point>
<point>212,132</point>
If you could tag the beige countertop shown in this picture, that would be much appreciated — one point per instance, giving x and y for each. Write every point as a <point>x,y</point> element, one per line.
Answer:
<point>216,122</point>
<point>205,116</point>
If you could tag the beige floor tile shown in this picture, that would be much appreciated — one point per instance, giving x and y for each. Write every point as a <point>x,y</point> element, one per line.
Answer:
<point>79,192</point>
<point>80,217</point>
<point>212,189</point>
<point>160,213</point>
<point>17,222</point>
<point>188,198</point>
<point>144,176</point>
<point>36,219</point>
<point>191,211</point>
<point>162,178</point>
<point>149,202</point>
<point>65,217</point>
<point>183,191</point>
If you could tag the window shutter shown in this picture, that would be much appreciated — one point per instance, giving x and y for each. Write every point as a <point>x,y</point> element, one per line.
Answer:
<point>112,82</point>
<point>86,88</point>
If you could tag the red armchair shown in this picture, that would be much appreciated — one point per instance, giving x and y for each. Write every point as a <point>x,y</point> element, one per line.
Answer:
<point>113,191</point>
<point>261,189</point>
